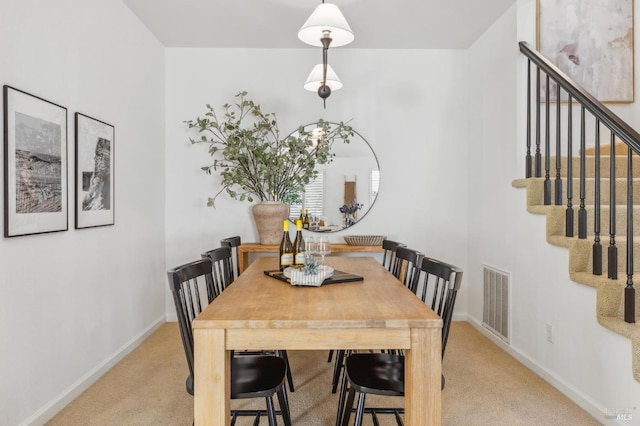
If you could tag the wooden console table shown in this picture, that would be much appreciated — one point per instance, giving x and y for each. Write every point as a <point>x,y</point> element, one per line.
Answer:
<point>245,248</point>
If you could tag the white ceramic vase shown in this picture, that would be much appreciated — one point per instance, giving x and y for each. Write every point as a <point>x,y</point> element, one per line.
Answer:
<point>268,216</point>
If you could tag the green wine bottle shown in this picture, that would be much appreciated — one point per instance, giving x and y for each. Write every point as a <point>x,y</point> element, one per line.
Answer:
<point>286,248</point>
<point>299,249</point>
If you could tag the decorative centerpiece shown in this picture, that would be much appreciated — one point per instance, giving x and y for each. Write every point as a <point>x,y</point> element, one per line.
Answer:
<point>254,163</point>
<point>349,212</point>
<point>312,273</point>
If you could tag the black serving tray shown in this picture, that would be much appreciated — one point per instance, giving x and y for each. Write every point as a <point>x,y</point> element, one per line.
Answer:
<point>337,277</point>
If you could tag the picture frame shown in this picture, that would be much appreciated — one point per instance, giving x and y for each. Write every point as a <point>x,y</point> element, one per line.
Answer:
<point>592,42</point>
<point>35,165</point>
<point>94,166</point>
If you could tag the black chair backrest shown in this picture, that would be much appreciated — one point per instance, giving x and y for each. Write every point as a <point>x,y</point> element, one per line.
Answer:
<point>222,268</point>
<point>192,287</point>
<point>405,266</point>
<point>389,255</point>
<point>234,243</point>
<point>438,286</point>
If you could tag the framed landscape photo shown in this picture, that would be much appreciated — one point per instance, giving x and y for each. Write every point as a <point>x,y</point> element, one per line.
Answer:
<point>35,165</point>
<point>592,42</point>
<point>94,172</point>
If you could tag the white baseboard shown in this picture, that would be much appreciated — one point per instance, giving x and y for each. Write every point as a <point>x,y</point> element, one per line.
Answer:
<point>459,317</point>
<point>47,412</point>
<point>569,391</point>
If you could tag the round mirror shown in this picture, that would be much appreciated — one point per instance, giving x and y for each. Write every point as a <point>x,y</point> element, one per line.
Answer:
<point>344,190</point>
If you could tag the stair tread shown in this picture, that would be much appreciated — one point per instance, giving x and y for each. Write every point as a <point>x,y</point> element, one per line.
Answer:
<point>610,292</point>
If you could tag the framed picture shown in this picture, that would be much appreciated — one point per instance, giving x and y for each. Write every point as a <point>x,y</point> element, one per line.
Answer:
<point>592,42</point>
<point>94,172</point>
<point>35,165</point>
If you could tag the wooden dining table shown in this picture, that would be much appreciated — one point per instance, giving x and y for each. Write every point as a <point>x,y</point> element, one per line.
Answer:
<point>258,312</point>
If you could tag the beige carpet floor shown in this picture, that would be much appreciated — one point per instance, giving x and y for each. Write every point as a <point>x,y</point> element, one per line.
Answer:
<point>485,386</point>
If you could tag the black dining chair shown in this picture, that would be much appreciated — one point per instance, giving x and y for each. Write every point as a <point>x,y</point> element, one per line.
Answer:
<point>259,376</point>
<point>222,277</point>
<point>405,266</point>
<point>221,268</point>
<point>234,243</point>
<point>389,248</point>
<point>389,253</point>
<point>383,373</point>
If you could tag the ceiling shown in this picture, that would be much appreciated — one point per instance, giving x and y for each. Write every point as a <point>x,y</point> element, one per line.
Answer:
<point>377,24</point>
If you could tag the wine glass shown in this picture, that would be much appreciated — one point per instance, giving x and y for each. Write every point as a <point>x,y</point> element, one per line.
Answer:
<point>310,247</point>
<point>323,247</point>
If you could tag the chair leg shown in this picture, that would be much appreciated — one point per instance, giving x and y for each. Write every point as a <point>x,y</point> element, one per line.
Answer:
<point>398,418</point>
<point>343,392</point>
<point>283,354</point>
<point>360,410</point>
<point>256,422</point>
<point>330,355</point>
<point>289,376</point>
<point>374,417</point>
<point>348,407</point>
<point>285,397</point>
<point>337,368</point>
<point>271,411</point>
<point>284,406</point>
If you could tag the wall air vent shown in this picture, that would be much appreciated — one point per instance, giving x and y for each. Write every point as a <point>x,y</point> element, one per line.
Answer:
<point>495,315</point>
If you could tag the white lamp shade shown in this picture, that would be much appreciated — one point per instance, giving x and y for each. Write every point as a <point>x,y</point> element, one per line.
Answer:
<point>314,81</point>
<point>327,16</point>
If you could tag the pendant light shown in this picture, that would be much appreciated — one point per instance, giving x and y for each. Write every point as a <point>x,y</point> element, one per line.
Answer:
<point>325,27</point>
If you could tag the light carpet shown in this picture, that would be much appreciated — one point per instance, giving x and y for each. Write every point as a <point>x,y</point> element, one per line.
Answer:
<point>485,386</point>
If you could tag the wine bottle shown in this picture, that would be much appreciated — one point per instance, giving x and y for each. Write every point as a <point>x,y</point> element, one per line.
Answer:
<point>298,245</point>
<point>306,221</point>
<point>301,218</point>
<point>286,248</point>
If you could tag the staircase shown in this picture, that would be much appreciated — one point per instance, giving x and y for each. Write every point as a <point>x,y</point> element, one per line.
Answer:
<point>610,292</point>
<point>590,217</point>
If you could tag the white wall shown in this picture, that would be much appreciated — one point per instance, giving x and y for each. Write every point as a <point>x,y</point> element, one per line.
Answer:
<point>408,104</point>
<point>63,316</point>
<point>73,301</point>
<point>589,363</point>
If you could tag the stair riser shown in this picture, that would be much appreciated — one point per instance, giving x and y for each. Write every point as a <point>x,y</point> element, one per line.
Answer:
<point>582,258</point>
<point>621,166</point>
<point>622,260</point>
<point>621,221</point>
<point>590,183</point>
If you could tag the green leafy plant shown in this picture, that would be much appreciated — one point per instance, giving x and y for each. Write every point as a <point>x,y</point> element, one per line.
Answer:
<point>251,158</point>
<point>311,267</point>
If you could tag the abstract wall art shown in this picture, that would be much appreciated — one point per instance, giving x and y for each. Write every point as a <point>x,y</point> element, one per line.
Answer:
<point>592,42</point>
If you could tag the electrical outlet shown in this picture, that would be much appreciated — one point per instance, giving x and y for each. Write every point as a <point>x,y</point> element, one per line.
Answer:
<point>549,333</point>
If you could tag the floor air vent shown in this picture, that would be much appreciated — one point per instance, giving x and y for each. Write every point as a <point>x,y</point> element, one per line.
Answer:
<point>495,315</point>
